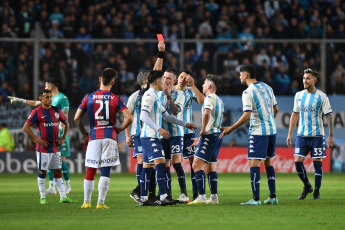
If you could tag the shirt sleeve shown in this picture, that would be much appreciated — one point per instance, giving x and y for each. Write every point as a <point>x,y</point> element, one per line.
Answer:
<point>147,102</point>
<point>83,105</point>
<point>121,105</point>
<point>247,101</point>
<point>326,106</point>
<point>295,104</point>
<point>131,103</point>
<point>33,117</point>
<point>64,104</point>
<point>209,103</point>
<point>62,116</point>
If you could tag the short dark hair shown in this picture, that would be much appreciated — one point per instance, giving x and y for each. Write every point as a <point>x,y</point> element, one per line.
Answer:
<point>43,91</point>
<point>313,73</point>
<point>214,79</point>
<point>187,72</point>
<point>251,70</point>
<point>143,75</point>
<point>108,75</point>
<point>171,70</point>
<point>54,81</point>
<point>154,74</point>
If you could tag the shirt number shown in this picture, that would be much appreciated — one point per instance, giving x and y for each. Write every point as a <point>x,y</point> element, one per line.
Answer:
<point>97,116</point>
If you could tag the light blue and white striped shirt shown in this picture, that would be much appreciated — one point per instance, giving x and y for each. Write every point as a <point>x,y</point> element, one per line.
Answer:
<point>215,104</point>
<point>150,103</point>
<point>310,107</point>
<point>259,99</point>
<point>189,96</point>
<point>134,108</point>
<point>178,98</point>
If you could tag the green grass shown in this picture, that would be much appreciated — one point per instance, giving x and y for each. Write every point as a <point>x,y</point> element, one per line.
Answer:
<point>20,208</point>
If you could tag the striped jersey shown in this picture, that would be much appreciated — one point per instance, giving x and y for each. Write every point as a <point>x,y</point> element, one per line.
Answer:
<point>134,108</point>
<point>260,100</point>
<point>150,103</point>
<point>189,96</point>
<point>102,106</point>
<point>47,121</point>
<point>215,104</point>
<point>178,98</point>
<point>310,107</point>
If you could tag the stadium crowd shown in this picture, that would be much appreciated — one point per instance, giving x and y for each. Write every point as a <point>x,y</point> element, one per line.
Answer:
<point>78,65</point>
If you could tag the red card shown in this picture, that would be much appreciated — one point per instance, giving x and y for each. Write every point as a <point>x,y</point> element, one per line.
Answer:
<point>160,37</point>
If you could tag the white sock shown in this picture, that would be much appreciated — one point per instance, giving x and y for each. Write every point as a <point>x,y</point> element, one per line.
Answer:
<point>88,189</point>
<point>214,196</point>
<point>41,186</point>
<point>203,197</point>
<point>103,186</point>
<point>162,197</point>
<point>144,198</point>
<point>52,184</point>
<point>60,187</point>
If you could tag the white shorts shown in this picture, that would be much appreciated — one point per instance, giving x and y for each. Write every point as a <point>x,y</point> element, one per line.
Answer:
<point>47,161</point>
<point>102,153</point>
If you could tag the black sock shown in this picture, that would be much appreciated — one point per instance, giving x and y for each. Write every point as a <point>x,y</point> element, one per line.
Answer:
<point>256,198</point>
<point>273,195</point>
<point>152,188</point>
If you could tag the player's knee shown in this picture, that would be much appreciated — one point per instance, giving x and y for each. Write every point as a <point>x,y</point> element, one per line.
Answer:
<point>90,173</point>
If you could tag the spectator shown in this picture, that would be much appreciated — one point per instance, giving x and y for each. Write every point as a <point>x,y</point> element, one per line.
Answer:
<point>282,80</point>
<point>88,82</point>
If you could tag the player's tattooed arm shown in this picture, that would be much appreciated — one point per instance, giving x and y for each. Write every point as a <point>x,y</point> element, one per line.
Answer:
<point>173,108</point>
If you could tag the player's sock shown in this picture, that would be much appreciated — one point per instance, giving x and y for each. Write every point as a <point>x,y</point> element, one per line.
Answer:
<point>318,174</point>
<point>302,174</point>
<point>181,176</point>
<point>51,178</point>
<point>160,177</point>
<point>168,180</point>
<point>192,178</point>
<point>65,170</point>
<point>255,181</point>
<point>88,189</point>
<point>59,185</point>
<point>271,180</point>
<point>200,181</point>
<point>103,184</point>
<point>152,187</point>
<point>41,181</point>
<point>213,182</point>
<point>145,181</point>
<point>139,170</point>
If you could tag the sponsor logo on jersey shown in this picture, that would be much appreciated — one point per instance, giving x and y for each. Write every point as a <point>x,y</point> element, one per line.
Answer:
<point>100,123</point>
<point>50,124</point>
<point>56,115</point>
<point>103,97</point>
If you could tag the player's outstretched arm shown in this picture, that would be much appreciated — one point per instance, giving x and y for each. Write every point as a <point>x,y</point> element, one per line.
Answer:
<point>159,63</point>
<point>28,131</point>
<point>293,122</point>
<point>128,119</point>
<point>31,103</point>
<point>174,120</point>
<point>243,119</point>
<point>77,120</point>
<point>330,140</point>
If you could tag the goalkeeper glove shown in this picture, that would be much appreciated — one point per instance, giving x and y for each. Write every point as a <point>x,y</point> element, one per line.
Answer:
<point>17,100</point>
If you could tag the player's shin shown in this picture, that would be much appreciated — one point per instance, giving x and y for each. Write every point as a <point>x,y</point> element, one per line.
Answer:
<point>168,180</point>
<point>145,183</point>
<point>181,177</point>
<point>41,181</point>
<point>103,184</point>
<point>200,181</point>
<point>193,179</point>
<point>302,174</point>
<point>255,182</point>
<point>271,180</point>
<point>89,182</point>
<point>59,184</point>
<point>213,183</point>
<point>318,174</point>
<point>161,181</point>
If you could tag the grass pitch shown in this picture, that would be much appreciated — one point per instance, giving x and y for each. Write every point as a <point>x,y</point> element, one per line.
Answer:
<point>20,208</point>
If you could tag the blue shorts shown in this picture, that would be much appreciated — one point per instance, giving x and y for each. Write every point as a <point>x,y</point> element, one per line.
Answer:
<point>137,148</point>
<point>188,150</point>
<point>172,146</point>
<point>152,149</point>
<point>316,145</point>
<point>261,147</point>
<point>208,148</point>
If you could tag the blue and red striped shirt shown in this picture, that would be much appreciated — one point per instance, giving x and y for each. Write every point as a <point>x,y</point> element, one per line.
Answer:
<point>47,121</point>
<point>102,106</point>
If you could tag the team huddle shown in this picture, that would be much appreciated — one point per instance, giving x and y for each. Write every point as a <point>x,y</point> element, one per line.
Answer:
<point>162,132</point>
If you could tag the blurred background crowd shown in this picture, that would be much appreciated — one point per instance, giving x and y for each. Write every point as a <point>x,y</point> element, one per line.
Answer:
<point>78,65</point>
